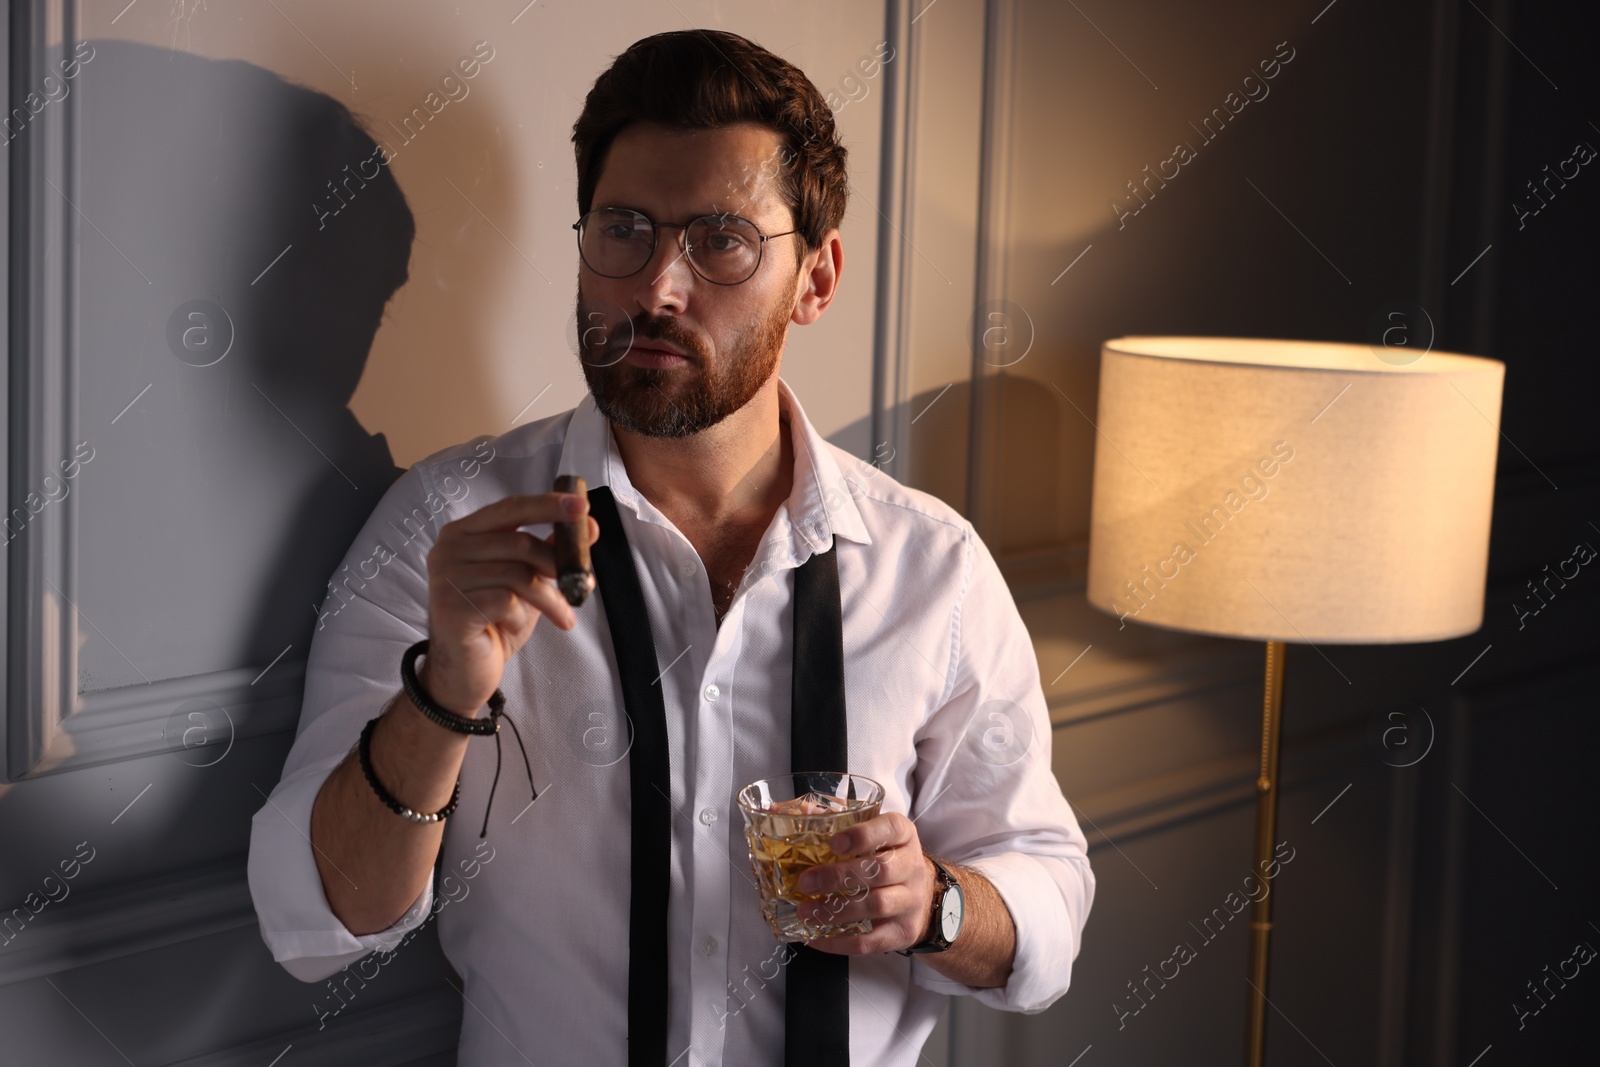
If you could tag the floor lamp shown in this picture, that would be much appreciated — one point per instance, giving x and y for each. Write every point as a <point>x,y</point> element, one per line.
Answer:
<point>1291,491</point>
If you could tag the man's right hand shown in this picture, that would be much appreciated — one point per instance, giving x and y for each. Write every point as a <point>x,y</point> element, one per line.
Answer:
<point>488,584</point>
<point>487,589</point>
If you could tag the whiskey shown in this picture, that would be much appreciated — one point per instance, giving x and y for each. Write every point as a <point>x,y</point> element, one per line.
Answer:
<point>787,839</point>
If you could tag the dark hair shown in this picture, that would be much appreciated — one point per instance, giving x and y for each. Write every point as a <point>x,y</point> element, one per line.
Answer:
<point>708,79</point>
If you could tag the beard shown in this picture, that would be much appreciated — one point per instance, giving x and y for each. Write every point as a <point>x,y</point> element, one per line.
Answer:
<point>684,400</point>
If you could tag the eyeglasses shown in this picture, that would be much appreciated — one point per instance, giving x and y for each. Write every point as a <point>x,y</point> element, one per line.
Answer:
<point>723,249</point>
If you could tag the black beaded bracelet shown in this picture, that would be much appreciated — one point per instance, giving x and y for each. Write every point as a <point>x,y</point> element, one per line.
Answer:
<point>365,748</point>
<point>460,724</point>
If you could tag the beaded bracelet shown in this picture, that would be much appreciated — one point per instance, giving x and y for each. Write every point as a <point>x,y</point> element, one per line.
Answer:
<point>384,795</point>
<point>460,724</point>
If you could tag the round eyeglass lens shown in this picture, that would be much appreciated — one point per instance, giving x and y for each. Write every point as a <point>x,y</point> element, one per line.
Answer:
<point>724,248</point>
<point>615,243</point>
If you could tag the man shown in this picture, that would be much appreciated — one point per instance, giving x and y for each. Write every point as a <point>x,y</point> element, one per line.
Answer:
<point>610,917</point>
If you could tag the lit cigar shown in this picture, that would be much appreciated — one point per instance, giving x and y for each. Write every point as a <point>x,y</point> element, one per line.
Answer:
<point>574,576</point>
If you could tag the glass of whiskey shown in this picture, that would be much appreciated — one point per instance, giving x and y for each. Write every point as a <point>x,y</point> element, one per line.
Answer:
<point>788,821</point>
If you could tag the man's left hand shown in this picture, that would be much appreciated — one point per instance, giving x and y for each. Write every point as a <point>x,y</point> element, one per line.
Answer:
<point>884,877</point>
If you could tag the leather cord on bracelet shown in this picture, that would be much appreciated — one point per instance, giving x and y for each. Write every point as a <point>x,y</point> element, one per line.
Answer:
<point>462,724</point>
<point>365,748</point>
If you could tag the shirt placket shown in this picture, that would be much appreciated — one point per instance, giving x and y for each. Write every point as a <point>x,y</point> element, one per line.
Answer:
<point>715,815</point>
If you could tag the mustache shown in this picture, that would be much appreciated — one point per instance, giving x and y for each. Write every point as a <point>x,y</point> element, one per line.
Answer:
<point>660,328</point>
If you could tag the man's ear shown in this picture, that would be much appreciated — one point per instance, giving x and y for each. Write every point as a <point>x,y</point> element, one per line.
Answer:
<point>819,279</point>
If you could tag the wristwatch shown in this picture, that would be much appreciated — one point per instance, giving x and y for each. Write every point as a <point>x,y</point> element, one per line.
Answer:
<point>948,909</point>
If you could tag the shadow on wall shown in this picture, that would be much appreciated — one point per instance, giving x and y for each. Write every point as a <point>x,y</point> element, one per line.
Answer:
<point>224,320</point>
<point>1031,438</point>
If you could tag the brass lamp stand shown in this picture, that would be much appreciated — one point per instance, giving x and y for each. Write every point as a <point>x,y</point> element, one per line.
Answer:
<point>1266,830</point>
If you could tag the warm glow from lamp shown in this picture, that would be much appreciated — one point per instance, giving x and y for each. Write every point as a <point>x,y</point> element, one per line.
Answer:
<point>1293,491</point>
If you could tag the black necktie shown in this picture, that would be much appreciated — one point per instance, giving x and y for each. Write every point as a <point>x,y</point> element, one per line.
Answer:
<point>817,998</point>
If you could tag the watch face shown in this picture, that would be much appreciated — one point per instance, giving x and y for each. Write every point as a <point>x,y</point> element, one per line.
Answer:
<point>950,914</point>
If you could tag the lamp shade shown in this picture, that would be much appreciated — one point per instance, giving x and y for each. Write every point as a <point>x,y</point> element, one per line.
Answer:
<point>1292,490</point>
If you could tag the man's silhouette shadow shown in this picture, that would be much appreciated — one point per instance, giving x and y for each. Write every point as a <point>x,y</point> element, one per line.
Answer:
<point>242,237</point>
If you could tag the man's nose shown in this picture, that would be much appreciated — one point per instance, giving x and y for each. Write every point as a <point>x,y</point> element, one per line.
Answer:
<point>665,279</point>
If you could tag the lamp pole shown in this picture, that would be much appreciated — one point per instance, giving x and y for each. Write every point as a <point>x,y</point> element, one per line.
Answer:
<point>1266,830</point>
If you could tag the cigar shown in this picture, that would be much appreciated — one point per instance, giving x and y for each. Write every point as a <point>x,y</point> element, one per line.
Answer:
<point>574,576</point>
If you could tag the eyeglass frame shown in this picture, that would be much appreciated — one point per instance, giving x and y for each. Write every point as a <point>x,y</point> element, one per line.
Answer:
<point>683,242</point>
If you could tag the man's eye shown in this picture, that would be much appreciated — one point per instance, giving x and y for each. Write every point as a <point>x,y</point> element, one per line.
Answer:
<point>619,232</point>
<point>723,242</point>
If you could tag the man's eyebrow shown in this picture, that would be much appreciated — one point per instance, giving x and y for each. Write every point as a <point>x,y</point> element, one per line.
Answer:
<point>715,213</point>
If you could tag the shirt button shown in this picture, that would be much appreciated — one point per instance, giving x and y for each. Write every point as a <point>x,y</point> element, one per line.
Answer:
<point>686,568</point>
<point>709,946</point>
<point>712,692</point>
<point>708,815</point>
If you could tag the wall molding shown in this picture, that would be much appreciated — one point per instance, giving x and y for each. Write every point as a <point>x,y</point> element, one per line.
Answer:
<point>891,373</point>
<point>125,920</point>
<point>41,404</point>
<point>994,227</point>
<point>1222,671</point>
<point>50,725</point>
<point>1045,572</point>
<point>127,722</point>
<point>1155,804</point>
<point>13,220</point>
<point>394,1034</point>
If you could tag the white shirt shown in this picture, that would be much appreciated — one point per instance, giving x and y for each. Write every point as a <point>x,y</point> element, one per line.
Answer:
<point>945,710</point>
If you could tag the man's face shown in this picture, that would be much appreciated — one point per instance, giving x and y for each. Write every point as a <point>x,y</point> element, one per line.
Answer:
<point>731,336</point>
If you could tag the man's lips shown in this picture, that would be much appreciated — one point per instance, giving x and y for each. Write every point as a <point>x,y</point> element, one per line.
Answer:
<point>656,355</point>
<point>659,348</point>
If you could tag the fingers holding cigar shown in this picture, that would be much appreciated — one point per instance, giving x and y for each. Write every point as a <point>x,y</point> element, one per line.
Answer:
<point>489,582</point>
<point>486,567</point>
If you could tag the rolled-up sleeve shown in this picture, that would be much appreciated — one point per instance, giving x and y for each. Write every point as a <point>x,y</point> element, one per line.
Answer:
<point>376,608</point>
<point>987,798</point>
<point>297,924</point>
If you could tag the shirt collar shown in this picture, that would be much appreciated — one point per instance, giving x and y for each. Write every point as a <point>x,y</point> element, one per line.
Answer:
<point>821,504</point>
